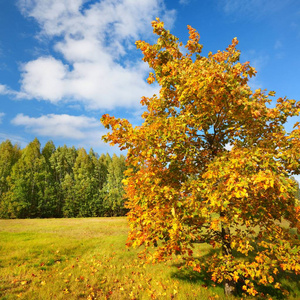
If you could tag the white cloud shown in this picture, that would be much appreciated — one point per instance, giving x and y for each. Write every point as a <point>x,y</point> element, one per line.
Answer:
<point>4,90</point>
<point>81,131</point>
<point>58,126</point>
<point>44,78</point>
<point>94,39</point>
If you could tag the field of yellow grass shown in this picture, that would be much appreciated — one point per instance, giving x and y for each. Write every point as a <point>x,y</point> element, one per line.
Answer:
<point>88,259</point>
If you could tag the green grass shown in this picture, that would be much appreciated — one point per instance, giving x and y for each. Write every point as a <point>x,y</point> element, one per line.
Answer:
<point>87,259</point>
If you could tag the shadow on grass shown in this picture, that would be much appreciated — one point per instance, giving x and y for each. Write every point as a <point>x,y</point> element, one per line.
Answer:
<point>203,278</point>
<point>289,281</point>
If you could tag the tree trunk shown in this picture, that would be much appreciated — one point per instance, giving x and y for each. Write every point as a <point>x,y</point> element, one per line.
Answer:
<point>229,285</point>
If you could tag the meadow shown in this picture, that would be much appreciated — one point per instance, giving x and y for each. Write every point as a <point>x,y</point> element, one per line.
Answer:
<point>87,259</point>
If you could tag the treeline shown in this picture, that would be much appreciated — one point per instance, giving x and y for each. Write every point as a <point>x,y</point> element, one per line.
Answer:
<point>59,182</point>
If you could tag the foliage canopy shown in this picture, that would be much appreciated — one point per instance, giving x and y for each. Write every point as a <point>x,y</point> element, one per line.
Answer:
<point>62,182</point>
<point>212,163</point>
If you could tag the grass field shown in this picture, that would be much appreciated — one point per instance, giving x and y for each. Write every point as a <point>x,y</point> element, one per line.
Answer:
<point>87,259</point>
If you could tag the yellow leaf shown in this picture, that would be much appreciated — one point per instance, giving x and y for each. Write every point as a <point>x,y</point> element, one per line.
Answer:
<point>175,226</point>
<point>270,279</point>
<point>173,212</point>
<point>236,276</point>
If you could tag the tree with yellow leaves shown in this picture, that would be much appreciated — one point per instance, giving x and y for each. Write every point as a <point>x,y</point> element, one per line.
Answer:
<point>211,163</point>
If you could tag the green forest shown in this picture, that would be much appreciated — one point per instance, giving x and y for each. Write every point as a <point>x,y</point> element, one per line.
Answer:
<point>52,182</point>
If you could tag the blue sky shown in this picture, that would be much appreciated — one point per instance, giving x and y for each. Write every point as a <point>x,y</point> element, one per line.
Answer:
<point>64,63</point>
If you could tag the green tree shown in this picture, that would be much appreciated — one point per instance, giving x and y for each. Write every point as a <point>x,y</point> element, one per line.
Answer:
<point>62,182</point>
<point>113,189</point>
<point>212,163</point>
<point>99,178</point>
<point>70,207</point>
<point>9,155</point>
<point>62,163</point>
<point>297,190</point>
<point>83,185</point>
<point>23,196</point>
<point>101,169</point>
<point>46,184</point>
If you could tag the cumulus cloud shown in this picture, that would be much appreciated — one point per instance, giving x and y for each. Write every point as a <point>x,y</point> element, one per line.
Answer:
<point>96,40</point>
<point>44,78</point>
<point>4,90</point>
<point>80,131</point>
<point>58,126</point>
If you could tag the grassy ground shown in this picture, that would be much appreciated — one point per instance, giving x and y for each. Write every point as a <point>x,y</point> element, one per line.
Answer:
<point>87,259</point>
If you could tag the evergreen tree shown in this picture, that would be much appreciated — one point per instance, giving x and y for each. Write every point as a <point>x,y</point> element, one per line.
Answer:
<point>70,207</point>
<point>113,200</point>
<point>9,155</point>
<point>82,189</point>
<point>98,179</point>
<point>62,162</point>
<point>297,190</point>
<point>23,197</point>
<point>47,187</point>
<point>62,182</point>
<point>104,162</point>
